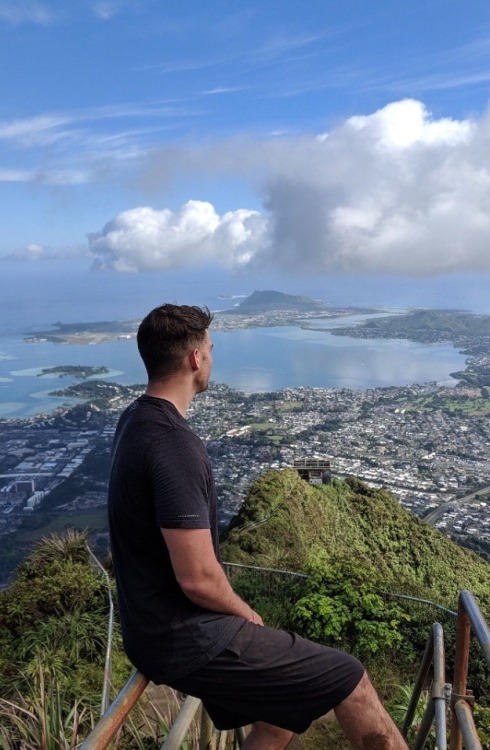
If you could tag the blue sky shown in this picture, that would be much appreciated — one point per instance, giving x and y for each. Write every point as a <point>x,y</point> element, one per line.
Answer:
<point>345,139</point>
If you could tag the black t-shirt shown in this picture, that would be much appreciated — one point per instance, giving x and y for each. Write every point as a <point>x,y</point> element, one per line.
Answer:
<point>161,478</point>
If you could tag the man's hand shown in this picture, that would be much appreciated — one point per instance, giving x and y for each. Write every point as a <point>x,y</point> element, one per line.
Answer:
<point>200,576</point>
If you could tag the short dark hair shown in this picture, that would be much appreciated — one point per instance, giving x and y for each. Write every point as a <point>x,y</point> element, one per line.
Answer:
<point>166,335</point>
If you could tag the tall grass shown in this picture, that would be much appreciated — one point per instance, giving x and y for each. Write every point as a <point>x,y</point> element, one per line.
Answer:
<point>42,721</point>
<point>43,716</point>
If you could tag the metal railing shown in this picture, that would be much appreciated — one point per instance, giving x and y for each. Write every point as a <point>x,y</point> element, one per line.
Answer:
<point>443,694</point>
<point>106,685</point>
<point>113,719</point>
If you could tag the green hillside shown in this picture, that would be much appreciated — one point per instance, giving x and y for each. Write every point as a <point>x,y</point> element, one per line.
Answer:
<point>424,325</point>
<point>355,543</point>
<point>287,523</point>
<point>360,549</point>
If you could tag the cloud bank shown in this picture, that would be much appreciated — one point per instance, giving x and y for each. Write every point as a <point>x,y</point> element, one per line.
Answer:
<point>396,191</point>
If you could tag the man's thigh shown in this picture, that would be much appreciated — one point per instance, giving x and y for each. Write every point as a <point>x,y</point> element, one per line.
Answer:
<point>272,676</point>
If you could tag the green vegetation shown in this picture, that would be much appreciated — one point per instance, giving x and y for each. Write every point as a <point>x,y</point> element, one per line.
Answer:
<point>98,392</point>
<point>358,547</point>
<point>74,371</point>
<point>423,325</point>
<point>456,402</point>
<point>53,637</point>
<point>288,406</point>
<point>287,523</point>
<point>53,629</point>
<point>93,520</point>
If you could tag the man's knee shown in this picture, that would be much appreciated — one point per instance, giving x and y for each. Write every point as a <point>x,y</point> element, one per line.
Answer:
<point>363,693</point>
<point>366,722</point>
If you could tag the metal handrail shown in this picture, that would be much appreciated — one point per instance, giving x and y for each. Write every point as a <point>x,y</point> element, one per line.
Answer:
<point>182,723</point>
<point>436,704</point>
<point>462,722</point>
<point>115,716</point>
<point>462,727</point>
<point>240,566</point>
<point>106,685</point>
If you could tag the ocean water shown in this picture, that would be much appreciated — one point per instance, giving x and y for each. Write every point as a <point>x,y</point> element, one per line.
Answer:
<point>263,359</point>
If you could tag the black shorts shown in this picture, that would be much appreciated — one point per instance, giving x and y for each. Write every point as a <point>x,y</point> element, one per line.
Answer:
<point>273,676</point>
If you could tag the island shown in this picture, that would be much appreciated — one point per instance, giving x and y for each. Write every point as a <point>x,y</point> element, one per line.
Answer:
<point>74,371</point>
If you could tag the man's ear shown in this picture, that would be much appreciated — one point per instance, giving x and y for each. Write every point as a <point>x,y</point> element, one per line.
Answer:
<point>194,359</point>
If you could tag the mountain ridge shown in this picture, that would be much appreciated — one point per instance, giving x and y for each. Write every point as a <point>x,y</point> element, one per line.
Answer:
<point>285,523</point>
<point>264,301</point>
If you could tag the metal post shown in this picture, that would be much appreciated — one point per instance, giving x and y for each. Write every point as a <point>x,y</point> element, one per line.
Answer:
<point>467,726</point>
<point>439,689</point>
<point>478,622</point>
<point>419,683</point>
<point>181,725</point>
<point>427,721</point>
<point>463,632</point>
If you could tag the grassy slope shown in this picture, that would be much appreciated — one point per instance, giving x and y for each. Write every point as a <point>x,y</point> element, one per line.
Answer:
<point>285,523</point>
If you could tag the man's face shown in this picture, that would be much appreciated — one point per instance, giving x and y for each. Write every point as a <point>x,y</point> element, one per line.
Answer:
<point>206,364</point>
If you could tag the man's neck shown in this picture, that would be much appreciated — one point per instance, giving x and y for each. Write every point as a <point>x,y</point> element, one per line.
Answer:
<point>178,395</point>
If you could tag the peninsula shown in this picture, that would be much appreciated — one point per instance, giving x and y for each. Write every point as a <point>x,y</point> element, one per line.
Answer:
<point>260,309</point>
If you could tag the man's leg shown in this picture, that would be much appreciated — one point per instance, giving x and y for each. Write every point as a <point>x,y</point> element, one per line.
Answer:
<point>365,722</point>
<point>267,737</point>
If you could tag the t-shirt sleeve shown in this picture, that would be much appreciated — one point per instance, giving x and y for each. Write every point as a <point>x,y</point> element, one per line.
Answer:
<point>180,476</point>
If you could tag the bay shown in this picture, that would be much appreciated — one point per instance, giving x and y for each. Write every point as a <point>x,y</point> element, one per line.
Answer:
<point>34,296</point>
<point>253,360</point>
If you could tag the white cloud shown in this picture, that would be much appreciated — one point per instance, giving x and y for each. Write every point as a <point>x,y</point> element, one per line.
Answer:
<point>106,9</point>
<point>43,130</point>
<point>78,146</point>
<point>407,122</point>
<point>17,12</point>
<point>397,191</point>
<point>35,252</point>
<point>45,177</point>
<point>145,239</point>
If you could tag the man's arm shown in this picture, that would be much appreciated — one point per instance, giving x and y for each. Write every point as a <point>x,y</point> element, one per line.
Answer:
<point>200,576</point>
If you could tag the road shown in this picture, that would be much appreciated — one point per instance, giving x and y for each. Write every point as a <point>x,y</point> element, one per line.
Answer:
<point>435,514</point>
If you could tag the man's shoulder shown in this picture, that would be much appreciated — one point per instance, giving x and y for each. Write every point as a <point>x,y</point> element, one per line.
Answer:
<point>150,411</point>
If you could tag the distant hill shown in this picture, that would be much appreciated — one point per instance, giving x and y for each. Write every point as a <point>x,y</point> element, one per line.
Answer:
<point>286,523</point>
<point>269,300</point>
<point>423,325</point>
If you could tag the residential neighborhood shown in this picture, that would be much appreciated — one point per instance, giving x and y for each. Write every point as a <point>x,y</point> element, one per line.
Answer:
<point>426,444</point>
